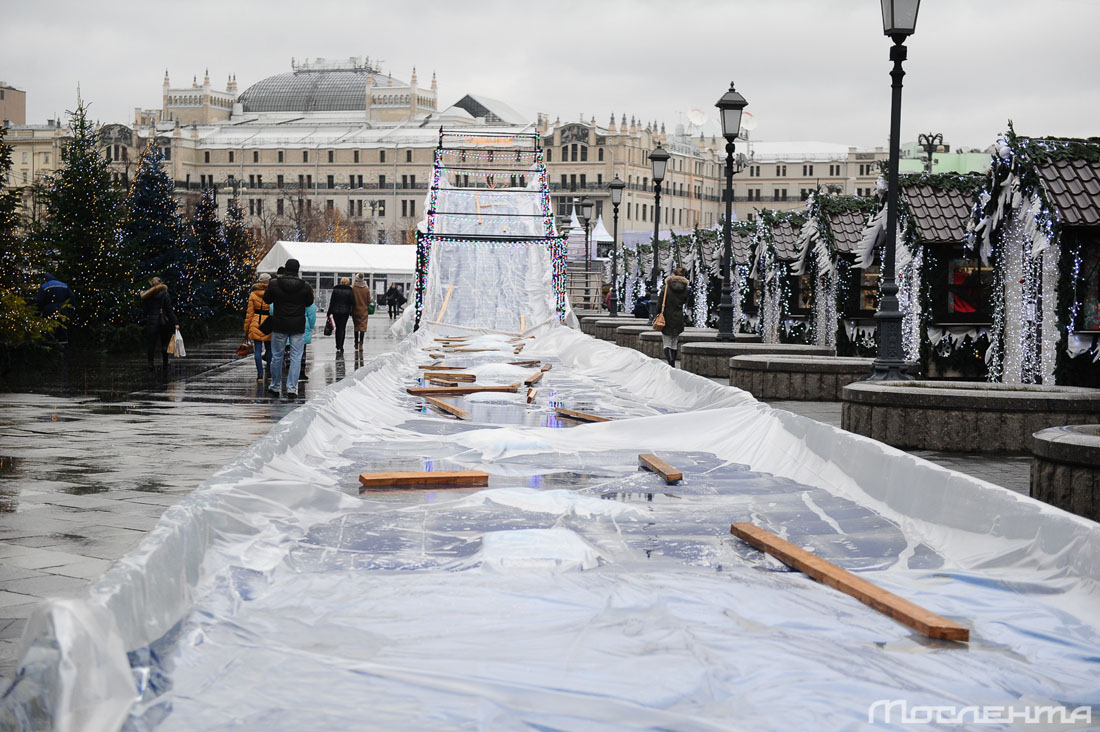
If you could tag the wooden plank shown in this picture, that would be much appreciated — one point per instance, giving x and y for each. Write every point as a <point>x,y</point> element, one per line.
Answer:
<point>535,362</point>
<point>531,394</point>
<point>455,478</point>
<point>457,376</point>
<point>469,350</point>
<point>547,367</point>
<point>649,461</point>
<point>905,612</point>
<point>447,407</point>
<point>519,348</point>
<point>452,338</point>
<point>440,367</point>
<point>446,300</point>
<point>440,382</point>
<point>534,379</point>
<point>458,390</point>
<point>522,322</point>
<point>436,354</point>
<point>580,416</point>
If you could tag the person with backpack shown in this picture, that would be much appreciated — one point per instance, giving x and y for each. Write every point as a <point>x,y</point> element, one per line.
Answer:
<point>290,295</point>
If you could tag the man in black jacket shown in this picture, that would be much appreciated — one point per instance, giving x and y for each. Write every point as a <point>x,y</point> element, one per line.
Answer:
<point>290,295</point>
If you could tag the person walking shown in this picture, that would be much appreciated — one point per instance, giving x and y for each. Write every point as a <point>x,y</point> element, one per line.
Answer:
<point>55,298</point>
<point>160,321</point>
<point>340,305</point>
<point>677,289</point>
<point>394,300</point>
<point>307,338</point>
<point>361,309</point>
<point>290,295</point>
<point>254,316</point>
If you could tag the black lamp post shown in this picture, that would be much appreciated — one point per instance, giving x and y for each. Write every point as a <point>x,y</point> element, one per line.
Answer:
<point>899,20</point>
<point>616,187</point>
<point>730,105</point>
<point>585,213</point>
<point>930,142</point>
<point>659,160</point>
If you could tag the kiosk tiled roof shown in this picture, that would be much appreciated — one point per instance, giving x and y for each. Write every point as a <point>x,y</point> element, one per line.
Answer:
<point>741,246</point>
<point>785,239</point>
<point>847,228</point>
<point>1073,186</point>
<point>939,214</point>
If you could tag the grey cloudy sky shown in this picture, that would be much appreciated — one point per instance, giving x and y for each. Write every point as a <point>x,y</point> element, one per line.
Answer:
<point>811,69</point>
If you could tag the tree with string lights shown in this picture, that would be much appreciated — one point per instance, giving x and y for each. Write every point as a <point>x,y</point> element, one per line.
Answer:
<point>80,230</point>
<point>153,230</point>
<point>208,238</point>
<point>240,260</point>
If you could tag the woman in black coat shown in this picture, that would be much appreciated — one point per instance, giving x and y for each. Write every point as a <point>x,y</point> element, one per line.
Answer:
<point>677,291</point>
<point>159,319</point>
<point>340,305</point>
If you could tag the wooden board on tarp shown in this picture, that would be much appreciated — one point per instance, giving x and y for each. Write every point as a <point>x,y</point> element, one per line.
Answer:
<point>532,380</point>
<point>447,407</point>
<point>580,416</point>
<point>531,394</point>
<point>649,461</point>
<point>459,390</point>
<point>907,613</point>
<point>440,367</point>
<point>439,382</point>
<point>420,478</point>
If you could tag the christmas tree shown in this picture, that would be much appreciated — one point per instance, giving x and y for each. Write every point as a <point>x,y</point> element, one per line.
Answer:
<point>81,230</point>
<point>209,246</point>
<point>154,232</point>
<point>22,259</point>
<point>241,258</point>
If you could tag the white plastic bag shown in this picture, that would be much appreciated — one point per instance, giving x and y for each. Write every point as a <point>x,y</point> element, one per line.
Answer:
<point>179,350</point>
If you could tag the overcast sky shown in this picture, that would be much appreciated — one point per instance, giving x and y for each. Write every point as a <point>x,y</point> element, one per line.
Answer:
<point>810,69</point>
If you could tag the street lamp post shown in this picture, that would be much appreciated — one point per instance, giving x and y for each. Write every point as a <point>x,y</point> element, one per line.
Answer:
<point>585,214</point>
<point>930,142</point>
<point>730,105</point>
<point>659,160</point>
<point>616,187</point>
<point>899,20</point>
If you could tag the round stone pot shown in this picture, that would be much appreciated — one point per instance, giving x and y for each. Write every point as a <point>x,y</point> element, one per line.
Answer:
<point>796,377</point>
<point>1065,468</point>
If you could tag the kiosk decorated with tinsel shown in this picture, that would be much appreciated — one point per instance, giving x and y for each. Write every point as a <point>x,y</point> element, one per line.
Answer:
<point>1037,224</point>
<point>488,220</point>
<point>781,294</point>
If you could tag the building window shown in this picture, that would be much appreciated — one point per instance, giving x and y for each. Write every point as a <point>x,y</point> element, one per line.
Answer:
<point>351,181</point>
<point>280,156</point>
<point>309,181</point>
<point>205,157</point>
<point>412,207</point>
<point>549,155</point>
<point>255,156</point>
<point>564,180</point>
<point>351,208</point>
<point>584,153</point>
<point>584,182</point>
<point>564,153</point>
<point>355,156</point>
<point>573,153</point>
<point>231,156</point>
<point>251,181</point>
<point>305,156</point>
<point>408,156</point>
<point>279,206</point>
<point>404,181</point>
<point>359,207</point>
<point>381,181</point>
<point>331,156</point>
<point>279,181</point>
<point>259,207</point>
<point>252,207</point>
<point>599,155</point>
<point>412,181</point>
<point>301,181</point>
<point>780,170</point>
<point>382,209</point>
<point>599,179</point>
<point>328,204</point>
<point>807,170</point>
<point>775,194</point>
<point>381,156</point>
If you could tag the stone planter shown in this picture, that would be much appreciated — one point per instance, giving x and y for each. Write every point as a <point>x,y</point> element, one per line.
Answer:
<point>796,377</point>
<point>961,416</point>
<point>713,358</point>
<point>588,323</point>
<point>1065,469</point>
<point>604,328</point>
<point>627,335</point>
<point>650,340</point>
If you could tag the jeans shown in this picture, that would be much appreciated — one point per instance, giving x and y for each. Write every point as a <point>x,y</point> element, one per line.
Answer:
<point>262,351</point>
<point>341,323</point>
<point>278,344</point>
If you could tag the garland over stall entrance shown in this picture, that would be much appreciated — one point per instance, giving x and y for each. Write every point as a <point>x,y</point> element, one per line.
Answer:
<point>489,229</point>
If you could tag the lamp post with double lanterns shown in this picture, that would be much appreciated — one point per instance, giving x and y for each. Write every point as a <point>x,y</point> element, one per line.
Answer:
<point>899,21</point>
<point>585,213</point>
<point>931,143</point>
<point>659,160</point>
<point>616,187</point>
<point>730,106</point>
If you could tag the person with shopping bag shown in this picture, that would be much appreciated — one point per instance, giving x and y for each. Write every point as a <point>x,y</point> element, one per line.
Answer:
<point>160,321</point>
<point>361,308</point>
<point>254,316</point>
<point>290,295</point>
<point>670,321</point>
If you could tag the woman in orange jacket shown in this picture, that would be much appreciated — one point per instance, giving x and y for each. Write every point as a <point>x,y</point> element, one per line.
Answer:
<point>256,314</point>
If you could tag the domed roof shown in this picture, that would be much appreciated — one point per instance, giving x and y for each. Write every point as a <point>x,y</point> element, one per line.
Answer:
<point>335,90</point>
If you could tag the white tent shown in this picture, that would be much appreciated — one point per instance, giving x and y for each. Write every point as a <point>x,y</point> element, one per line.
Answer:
<point>323,263</point>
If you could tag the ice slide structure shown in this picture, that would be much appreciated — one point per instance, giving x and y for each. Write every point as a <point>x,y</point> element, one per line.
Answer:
<point>574,592</point>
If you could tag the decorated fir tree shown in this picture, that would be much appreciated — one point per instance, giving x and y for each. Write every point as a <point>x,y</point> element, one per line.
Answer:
<point>81,231</point>
<point>154,232</point>
<point>22,260</point>
<point>241,258</point>
<point>208,244</point>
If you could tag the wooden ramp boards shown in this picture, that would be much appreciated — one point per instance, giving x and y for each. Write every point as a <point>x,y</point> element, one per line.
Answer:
<point>580,416</point>
<point>420,478</point>
<point>447,407</point>
<point>459,390</point>
<point>905,612</point>
<point>649,461</point>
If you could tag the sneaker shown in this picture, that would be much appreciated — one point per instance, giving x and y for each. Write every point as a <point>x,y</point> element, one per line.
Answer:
<point>274,388</point>
<point>303,377</point>
<point>290,393</point>
<point>259,377</point>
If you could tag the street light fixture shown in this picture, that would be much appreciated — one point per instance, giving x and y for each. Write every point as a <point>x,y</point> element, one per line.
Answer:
<point>899,20</point>
<point>930,142</point>
<point>616,187</point>
<point>731,105</point>
<point>584,211</point>
<point>659,160</point>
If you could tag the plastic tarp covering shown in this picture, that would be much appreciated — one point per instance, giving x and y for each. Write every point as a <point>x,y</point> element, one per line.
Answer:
<point>575,592</point>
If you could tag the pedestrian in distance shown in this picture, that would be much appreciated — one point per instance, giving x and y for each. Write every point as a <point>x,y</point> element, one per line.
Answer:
<point>394,300</point>
<point>361,309</point>
<point>254,316</point>
<point>340,306</point>
<point>55,298</point>
<point>290,295</point>
<point>159,319</point>
<point>677,289</point>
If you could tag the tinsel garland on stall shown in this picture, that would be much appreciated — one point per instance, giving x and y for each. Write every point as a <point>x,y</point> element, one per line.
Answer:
<point>1016,227</point>
<point>698,253</point>
<point>773,275</point>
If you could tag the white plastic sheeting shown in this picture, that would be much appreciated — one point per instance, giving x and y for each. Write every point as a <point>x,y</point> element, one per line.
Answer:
<point>574,593</point>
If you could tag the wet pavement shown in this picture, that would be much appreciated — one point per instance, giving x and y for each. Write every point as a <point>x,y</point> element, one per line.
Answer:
<point>90,461</point>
